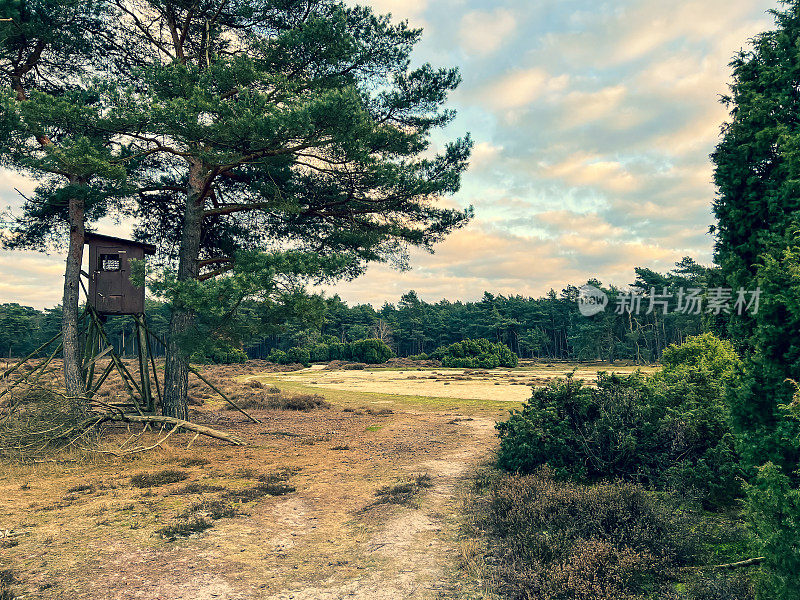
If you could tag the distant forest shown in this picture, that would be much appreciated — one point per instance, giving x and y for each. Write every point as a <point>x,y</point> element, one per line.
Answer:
<point>550,327</point>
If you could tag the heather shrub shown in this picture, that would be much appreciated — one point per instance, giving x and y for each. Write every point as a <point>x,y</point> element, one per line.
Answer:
<point>557,540</point>
<point>669,431</point>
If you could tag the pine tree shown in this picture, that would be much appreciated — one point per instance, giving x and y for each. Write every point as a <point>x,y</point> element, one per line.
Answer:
<point>758,218</point>
<point>280,124</point>
<point>48,130</point>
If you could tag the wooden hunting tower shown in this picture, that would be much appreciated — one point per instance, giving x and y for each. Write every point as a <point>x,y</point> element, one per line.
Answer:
<point>110,289</point>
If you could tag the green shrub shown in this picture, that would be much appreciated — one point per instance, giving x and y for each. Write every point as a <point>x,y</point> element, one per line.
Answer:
<point>475,354</point>
<point>773,511</point>
<point>218,352</point>
<point>669,430</point>
<point>298,355</point>
<point>320,353</point>
<point>278,357</point>
<point>339,351</point>
<point>422,356</point>
<point>370,351</point>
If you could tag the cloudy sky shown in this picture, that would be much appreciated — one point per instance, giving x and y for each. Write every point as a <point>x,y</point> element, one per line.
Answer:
<point>593,121</point>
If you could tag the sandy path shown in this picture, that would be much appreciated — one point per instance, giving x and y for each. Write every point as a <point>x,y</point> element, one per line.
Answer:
<point>321,542</point>
<point>415,550</point>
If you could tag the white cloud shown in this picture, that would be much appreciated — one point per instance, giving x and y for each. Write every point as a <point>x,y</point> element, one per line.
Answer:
<point>483,32</point>
<point>484,155</point>
<point>412,10</point>
<point>521,87</point>
<point>591,170</point>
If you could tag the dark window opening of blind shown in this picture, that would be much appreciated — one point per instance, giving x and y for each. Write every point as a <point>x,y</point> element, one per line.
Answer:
<point>109,262</point>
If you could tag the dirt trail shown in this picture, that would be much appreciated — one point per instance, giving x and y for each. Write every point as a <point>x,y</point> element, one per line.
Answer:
<point>416,549</point>
<point>324,541</point>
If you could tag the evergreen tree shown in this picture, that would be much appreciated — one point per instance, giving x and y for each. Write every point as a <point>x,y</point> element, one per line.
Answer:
<point>758,245</point>
<point>758,219</point>
<point>49,129</point>
<point>280,124</point>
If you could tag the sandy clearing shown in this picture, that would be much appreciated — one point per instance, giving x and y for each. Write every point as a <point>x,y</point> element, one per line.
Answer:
<point>497,385</point>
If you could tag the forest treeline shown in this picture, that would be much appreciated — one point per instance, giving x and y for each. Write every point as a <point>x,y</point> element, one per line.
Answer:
<point>548,327</point>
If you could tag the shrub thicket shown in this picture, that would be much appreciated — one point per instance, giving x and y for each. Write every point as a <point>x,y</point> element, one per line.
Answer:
<point>475,354</point>
<point>218,352</point>
<point>669,430</point>
<point>371,351</point>
<point>556,540</point>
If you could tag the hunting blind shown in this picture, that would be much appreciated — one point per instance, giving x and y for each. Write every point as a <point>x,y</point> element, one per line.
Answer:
<point>111,291</point>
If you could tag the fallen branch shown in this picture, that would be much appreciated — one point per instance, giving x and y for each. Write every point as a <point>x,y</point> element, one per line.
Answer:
<point>742,563</point>
<point>177,423</point>
<point>734,565</point>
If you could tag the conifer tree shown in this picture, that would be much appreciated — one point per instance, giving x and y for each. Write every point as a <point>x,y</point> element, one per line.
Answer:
<point>49,50</point>
<point>280,125</point>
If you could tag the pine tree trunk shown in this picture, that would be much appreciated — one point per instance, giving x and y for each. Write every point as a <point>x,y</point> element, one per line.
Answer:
<point>69,320</point>
<point>176,375</point>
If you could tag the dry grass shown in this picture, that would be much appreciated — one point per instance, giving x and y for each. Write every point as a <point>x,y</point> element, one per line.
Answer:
<point>300,538</point>
<point>185,528</point>
<point>197,487</point>
<point>7,581</point>
<point>259,491</point>
<point>215,509</point>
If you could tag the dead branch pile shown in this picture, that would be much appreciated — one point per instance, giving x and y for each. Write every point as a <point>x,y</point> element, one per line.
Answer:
<point>35,420</point>
<point>38,421</point>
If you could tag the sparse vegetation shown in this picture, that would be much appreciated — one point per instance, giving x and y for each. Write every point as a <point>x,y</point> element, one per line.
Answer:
<point>184,528</point>
<point>259,491</point>
<point>215,509</point>
<point>195,461</point>
<point>197,487</point>
<point>163,477</point>
<point>404,493</point>
<point>82,487</point>
<point>276,400</point>
<point>7,581</point>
